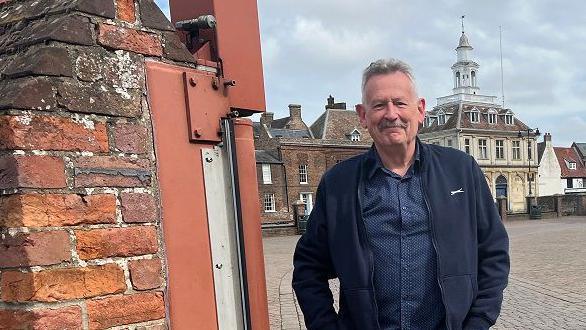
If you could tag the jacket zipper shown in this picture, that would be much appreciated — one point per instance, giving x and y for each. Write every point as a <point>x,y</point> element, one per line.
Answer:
<point>434,243</point>
<point>365,237</point>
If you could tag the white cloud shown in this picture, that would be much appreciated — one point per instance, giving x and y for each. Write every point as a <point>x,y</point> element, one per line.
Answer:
<point>315,48</point>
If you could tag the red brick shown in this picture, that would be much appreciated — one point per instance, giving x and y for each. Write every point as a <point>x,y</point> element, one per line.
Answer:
<point>131,138</point>
<point>128,39</point>
<point>67,318</point>
<point>32,172</point>
<point>109,162</point>
<point>145,274</point>
<point>106,171</point>
<point>120,310</point>
<point>116,242</point>
<point>51,133</point>
<point>125,10</point>
<point>138,208</point>
<point>62,284</point>
<point>161,326</point>
<point>54,210</point>
<point>34,249</point>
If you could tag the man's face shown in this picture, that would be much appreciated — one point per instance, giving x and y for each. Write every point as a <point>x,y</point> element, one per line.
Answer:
<point>391,110</point>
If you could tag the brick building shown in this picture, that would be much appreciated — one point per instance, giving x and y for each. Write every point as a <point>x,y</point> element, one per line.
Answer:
<point>291,157</point>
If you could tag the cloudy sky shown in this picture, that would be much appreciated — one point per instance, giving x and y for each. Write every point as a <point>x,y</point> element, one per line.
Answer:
<point>315,48</point>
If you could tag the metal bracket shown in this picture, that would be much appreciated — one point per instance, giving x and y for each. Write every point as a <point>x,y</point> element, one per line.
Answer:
<point>207,102</point>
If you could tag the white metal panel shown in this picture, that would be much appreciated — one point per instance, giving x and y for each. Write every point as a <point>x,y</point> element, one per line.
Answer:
<point>224,244</point>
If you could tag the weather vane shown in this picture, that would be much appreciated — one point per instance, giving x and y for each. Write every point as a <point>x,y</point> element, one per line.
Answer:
<point>462,24</point>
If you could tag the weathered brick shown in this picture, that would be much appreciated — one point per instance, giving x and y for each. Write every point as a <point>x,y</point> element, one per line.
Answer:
<point>128,39</point>
<point>161,326</point>
<point>32,172</point>
<point>34,249</point>
<point>28,94</point>
<point>127,309</point>
<point>119,69</point>
<point>125,10</point>
<point>145,274</point>
<point>99,8</point>
<point>74,29</point>
<point>174,49</point>
<point>108,171</point>
<point>138,207</point>
<point>62,284</point>
<point>47,61</point>
<point>116,242</point>
<point>152,16</point>
<point>54,210</point>
<point>35,9</point>
<point>100,99</point>
<point>67,318</point>
<point>31,132</point>
<point>131,138</point>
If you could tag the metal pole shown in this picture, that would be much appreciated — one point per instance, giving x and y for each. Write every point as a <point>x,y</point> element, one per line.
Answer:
<point>529,162</point>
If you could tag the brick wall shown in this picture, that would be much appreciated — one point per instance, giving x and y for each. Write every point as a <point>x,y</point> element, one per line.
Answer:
<point>80,236</point>
<point>286,185</point>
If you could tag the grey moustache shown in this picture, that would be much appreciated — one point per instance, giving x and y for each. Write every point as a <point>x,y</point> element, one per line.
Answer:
<point>389,124</point>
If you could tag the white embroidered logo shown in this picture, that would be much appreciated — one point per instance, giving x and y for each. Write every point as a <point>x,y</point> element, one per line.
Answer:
<point>456,191</point>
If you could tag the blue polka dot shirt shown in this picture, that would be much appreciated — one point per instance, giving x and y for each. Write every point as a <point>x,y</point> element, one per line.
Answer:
<point>405,267</point>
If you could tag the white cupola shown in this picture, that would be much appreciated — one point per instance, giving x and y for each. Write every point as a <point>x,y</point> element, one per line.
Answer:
<point>465,71</point>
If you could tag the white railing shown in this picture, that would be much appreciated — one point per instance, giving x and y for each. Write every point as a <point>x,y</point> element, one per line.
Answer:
<point>574,190</point>
<point>466,97</point>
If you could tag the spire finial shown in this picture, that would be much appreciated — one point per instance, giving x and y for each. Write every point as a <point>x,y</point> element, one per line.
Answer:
<point>462,24</point>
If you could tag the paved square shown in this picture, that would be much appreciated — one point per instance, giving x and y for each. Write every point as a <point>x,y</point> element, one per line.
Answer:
<point>547,286</point>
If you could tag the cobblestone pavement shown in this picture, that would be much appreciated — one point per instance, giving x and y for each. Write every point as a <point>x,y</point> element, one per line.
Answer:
<point>547,286</point>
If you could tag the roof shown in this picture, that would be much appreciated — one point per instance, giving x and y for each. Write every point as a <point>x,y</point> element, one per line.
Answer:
<point>581,148</point>
<point>460,119</point>
<point>266,157</point>
<point>464,41</point>
<point>338,124</point>
<point>280,123</point>
<point>570,155</point>
<point>290,133</point>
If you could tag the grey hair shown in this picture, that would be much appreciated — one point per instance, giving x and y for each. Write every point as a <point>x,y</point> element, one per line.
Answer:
<point>387,66</point>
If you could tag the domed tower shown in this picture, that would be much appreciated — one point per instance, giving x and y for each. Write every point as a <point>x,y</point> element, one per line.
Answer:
<point>465,71</point>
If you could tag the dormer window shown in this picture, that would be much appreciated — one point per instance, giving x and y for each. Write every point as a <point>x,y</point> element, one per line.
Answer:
<point>474,116</point>
<point>492,117</point>
<point>441,118</point>
<point>428,121</point>
<point>355,136</point>
<point>572,165</point>
<point>509,119</point>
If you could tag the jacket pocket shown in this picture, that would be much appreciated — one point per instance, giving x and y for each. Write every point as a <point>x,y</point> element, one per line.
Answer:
<point>458,296</point>
<point>360,310</point>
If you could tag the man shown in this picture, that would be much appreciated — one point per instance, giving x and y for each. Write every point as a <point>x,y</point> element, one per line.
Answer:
<point>409,229</point>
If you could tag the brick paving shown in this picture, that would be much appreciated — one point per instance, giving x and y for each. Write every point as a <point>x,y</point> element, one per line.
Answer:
<point>547,286</point>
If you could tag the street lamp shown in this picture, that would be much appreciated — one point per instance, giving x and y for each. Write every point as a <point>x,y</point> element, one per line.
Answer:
<point>527,133</point>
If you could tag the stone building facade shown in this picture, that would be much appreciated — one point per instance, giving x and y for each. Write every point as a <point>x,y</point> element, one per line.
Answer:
<point>81,243</point>
<point>476,124</point>
<point>292,157</point>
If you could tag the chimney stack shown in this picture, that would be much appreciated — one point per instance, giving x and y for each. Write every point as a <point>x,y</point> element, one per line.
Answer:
<point>332,105</point>
<point>547,138</point>
<point>266,118</point>
<point>330,100</point>
<point>295,111</point>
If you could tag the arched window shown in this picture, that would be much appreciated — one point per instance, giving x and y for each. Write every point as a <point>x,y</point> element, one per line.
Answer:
<point>474,78</point>
<point>458,79</point>
<point>501,186</point>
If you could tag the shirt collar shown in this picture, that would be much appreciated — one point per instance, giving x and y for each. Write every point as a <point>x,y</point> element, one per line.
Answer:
<point>374,162</point>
